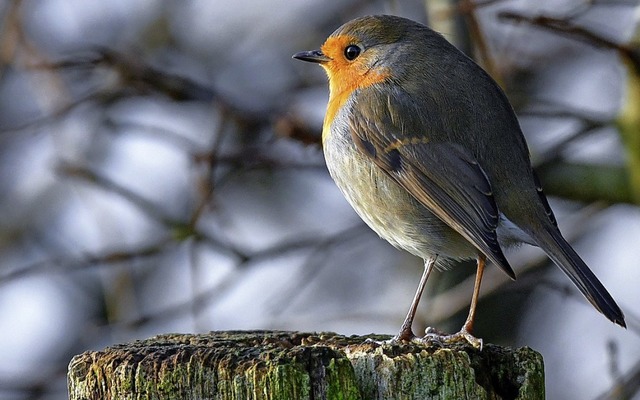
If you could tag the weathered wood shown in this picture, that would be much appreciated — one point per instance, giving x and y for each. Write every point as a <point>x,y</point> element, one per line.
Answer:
<point>287,365</point>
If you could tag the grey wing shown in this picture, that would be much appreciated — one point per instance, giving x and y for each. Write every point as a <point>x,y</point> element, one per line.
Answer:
<point>443,176</point>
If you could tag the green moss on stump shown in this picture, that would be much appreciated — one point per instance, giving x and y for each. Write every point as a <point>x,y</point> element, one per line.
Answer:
<point>287,365</point>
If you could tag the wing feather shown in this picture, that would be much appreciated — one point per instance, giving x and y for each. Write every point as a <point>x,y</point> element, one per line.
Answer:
<point>443,176</point>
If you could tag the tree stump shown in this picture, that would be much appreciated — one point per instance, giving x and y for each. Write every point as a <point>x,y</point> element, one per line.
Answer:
<point>290,365</point>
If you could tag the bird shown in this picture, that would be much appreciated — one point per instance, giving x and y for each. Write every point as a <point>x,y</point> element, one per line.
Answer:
<point>426,148</point>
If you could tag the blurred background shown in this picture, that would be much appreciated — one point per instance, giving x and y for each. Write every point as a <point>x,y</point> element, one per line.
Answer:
<point>160,171</point>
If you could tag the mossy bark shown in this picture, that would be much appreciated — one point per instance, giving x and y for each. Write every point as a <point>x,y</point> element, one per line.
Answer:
<point>287,365</point>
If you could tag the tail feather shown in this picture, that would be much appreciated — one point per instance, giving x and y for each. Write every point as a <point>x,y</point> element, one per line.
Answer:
<point>572,265</point>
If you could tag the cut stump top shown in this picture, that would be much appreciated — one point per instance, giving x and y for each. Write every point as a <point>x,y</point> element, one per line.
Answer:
<point>293,365</point>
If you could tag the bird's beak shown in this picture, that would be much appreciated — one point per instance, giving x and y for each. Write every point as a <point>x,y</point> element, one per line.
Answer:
<point>314,56</point>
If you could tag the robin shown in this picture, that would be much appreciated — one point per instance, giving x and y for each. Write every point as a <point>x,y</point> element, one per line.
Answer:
<point>425,146</point>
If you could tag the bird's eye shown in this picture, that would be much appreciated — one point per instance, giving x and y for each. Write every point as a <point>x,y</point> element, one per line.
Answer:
<point>351,52</point>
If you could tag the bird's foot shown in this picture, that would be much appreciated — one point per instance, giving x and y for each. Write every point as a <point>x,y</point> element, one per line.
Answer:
<point>431,337</point>
<point>380,342</point>
<point>403,337</point>
<point>439,338</point>
<point>396,340</point>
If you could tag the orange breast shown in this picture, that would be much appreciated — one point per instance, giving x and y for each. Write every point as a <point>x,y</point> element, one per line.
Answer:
<point>346,76</point>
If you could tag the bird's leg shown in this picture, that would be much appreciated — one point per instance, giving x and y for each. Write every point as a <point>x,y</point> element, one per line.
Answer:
<point>465,332</point>
<point>406,333</point>
<point>468,324</point>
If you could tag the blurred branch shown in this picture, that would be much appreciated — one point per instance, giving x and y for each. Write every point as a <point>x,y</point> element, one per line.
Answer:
<point>69,264</point>
<point>580,181</point>
<point>467,10</point>
<point>206,181</point>
<point>252,158</point>
<point>136,75</point>
<point>444,17</point>
<point>313,266</point>
<point>103,98</point>
<point>554,155</point>
<point>88,175</point>
<point>181,230</point>
<point>210,295</point>
<point>628,121</point>
<point>564,26</point>
<point>548,109</point>
<point>586,182</point>
<point>625,386</point>
<point>11,31</point>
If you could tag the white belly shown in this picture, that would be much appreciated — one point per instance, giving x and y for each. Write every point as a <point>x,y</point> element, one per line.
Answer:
<point>389,209</point>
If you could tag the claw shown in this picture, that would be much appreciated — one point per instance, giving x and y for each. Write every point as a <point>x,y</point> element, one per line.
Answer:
<point>391,341</point>
<point>399,339</point>
<point>434,336</point>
